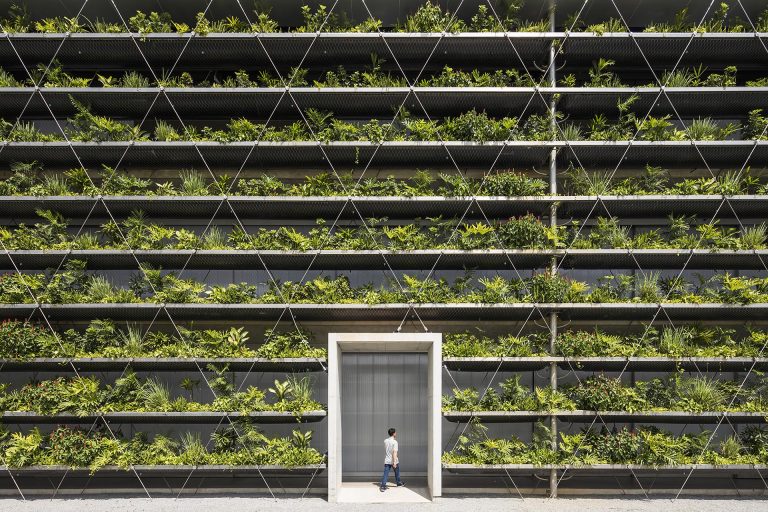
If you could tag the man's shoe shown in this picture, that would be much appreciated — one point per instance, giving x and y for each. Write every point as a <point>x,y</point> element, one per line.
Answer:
<point>382,489</point>
<point>401,484</point>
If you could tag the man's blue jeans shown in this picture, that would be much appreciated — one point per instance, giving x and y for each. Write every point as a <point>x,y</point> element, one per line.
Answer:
<point>384,478</point>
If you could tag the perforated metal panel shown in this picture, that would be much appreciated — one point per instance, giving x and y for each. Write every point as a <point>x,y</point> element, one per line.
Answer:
<point>379,391</point>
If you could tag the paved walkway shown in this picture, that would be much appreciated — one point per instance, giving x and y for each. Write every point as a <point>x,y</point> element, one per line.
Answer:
<point>454,504</point>
<point>368,492</point>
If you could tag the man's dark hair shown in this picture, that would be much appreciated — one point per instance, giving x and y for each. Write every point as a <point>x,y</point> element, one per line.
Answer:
<point>391,431</point>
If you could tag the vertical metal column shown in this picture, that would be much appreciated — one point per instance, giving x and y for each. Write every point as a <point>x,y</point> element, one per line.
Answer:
<point>553,223</point>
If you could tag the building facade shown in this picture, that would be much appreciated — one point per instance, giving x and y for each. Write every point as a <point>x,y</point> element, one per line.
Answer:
<point>242,241</point>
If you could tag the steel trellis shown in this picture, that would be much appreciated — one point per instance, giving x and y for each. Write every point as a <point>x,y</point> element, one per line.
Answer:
<point>16,268</point>
<point>350,201</point>
<point>350,198</point>
<point>225,200</point>
<point>725,199</point>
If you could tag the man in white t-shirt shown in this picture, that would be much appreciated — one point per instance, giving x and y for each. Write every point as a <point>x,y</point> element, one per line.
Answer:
<point>390,460</point>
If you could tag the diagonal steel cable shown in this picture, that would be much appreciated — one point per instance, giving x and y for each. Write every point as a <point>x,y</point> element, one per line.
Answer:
<point>310,128</point>
<point>455,231</point>
<point>225,200</point>
<point>38,307</point>
<point>37,90</point>
<point>725,199</point>
<point>36,301</point>
<point>140,266</point>
<point>752,367</point>
<point>350,199</point>
<point>690,255</point>
<point>535,306</point>
<point>211,173</point>
<point>660,305</point>
<point>560,263</point>
<point>551,63</point>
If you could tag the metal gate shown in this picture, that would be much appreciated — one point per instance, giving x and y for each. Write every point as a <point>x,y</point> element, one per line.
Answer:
<point>378,391</point>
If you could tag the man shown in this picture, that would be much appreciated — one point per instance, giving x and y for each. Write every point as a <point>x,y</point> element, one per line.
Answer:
<point>390,460</point>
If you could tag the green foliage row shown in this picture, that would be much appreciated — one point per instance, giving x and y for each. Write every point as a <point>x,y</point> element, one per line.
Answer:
<point>429,17</point>
<point>85,126</point>
<point>104,338</point>
<point>525,232</point>
<point>627,125</point>
<point>30,179</point>
<point>54,75</point>
<point>76,448</point>
<point>72,284</point>
<point>599,75</point>
<point>472,126</point>
<point>86,395</point>
<point>682,341</point>
<point>470,344</point>
<point>643,445</point>
<point>136,232</point>
<point>602,393</point>
<point>719,18</point>
<point>656,180</point>
<point>682,232</point>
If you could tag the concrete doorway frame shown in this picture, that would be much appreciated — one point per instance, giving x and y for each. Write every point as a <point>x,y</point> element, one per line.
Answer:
<point>432,344</point>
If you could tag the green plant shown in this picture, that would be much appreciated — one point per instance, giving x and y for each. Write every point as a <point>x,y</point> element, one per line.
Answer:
<point>23,450</point>
<point>601,76</point>
<point>80,449</point>
<point>86,126</point>
<point>59,25</point>
<point>154,23</point>
<point>18,19</point>
<point>288,344</point>
<point>430,17</point>
<point>755,127</point>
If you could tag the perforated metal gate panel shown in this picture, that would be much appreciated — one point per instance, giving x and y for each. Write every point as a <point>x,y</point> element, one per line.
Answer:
<point>379,391</point>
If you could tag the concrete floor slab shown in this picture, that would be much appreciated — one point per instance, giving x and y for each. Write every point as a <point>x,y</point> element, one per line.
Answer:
<point>368,492</point>
<point>319,504</point>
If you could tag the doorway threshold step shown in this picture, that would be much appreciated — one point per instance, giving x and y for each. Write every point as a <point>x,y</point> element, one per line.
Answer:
<point>368,492</point>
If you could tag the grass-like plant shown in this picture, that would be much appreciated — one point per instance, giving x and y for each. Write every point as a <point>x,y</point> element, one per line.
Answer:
<point>86,395</point>
<point>648,446</point>
<point>104,338</point>
<point>428,17</point>
<point>673,342</point>
<point>76,448</point>
<point>603,393</point>
<point>72,284</point>
<point>470,126</point>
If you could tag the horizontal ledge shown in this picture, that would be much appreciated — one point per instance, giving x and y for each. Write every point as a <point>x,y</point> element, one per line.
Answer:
<point>217,102</point>
<point>392,206</point>
<point>182,418</point>
<point>717,470</point>
<point>405,154</point>
<point>162,364</point>
<point>702,364</point>
<point>314,36</point>
<point>407,48</point>
<point>452,311</point>
<point>169,469</point>
<point>372,259</point>
<point>706,417</point>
